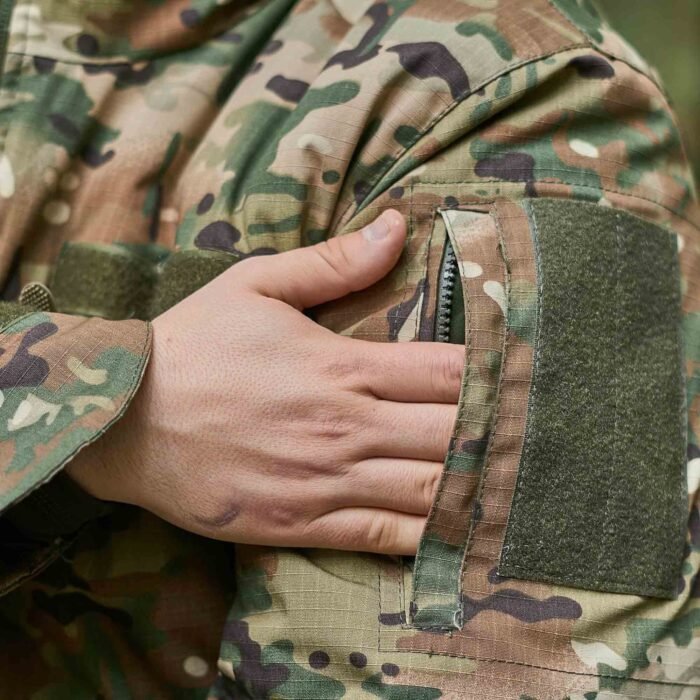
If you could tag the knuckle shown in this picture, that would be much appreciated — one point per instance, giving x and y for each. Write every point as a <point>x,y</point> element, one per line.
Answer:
<point>282,515</point>
<point>331,424</point>
<point>442,428</point>
<point>382,533</point>
<point>456,364</point>
<point>448,369</point>
<point>448,428</point>
<point>325,531</point>
<point>429,486</point>
<point>333,256</point>
<point>344,367</point>
<point>336,420</point>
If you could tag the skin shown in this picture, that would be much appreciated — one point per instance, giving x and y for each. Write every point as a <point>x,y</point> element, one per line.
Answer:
<point>256,425</point>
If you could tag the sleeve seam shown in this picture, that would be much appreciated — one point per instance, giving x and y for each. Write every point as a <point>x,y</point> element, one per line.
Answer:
<point>403,150</point>
<point>597,47</point>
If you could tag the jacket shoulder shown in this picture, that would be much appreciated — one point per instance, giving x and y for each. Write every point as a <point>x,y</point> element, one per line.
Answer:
<point>590,22</point>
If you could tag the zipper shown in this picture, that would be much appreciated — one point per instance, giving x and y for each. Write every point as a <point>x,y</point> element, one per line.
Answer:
<point>449,275</point>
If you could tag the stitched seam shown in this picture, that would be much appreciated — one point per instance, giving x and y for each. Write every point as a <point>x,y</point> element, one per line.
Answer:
<point>535,363</point>
<point>50,554</point>
<point>602,554</point>
<point>428,260</point>
<point>418,566</point>
<point>402,565</point>
<point>490,659</point>
<point>400,152</point>
<point>555,576</point>
<point>497,408</point>
<point>517,493</point>
<point>411,235</point>
<point>598,48</point>
<point>379,603</point>
<point>402,593</point>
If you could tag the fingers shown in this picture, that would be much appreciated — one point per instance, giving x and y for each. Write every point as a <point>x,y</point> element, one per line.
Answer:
<point>411,431</point>
<point>310,276</point>
<point>414,372</point>
<point>366,530</point>
<point>404,485</point>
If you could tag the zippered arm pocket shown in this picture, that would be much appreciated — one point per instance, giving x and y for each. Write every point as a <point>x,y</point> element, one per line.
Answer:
<point>482,275</point>
<point>572,347</point>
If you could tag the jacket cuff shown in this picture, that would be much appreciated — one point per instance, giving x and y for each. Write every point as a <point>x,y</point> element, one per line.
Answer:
<point>63,381</point>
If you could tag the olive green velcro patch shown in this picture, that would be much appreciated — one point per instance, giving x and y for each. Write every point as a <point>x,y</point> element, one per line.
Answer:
<point>184,273</point>
<point>600,501</point>
<point>119,281</point>
<point>113,281</point>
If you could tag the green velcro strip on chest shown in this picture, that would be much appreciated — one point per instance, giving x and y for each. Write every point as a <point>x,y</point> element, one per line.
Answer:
<point>113,281</point>
<point>119,281</point>
<point>184,273</point>
<point>600,501</point>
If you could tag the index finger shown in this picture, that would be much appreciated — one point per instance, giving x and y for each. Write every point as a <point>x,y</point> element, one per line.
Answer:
<point>417,372</point>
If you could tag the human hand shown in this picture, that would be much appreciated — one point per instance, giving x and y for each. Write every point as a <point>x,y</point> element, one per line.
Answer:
<point>256,425</point>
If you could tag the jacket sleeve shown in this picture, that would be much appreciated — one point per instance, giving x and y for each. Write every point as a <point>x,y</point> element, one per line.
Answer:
<point>63,381</point>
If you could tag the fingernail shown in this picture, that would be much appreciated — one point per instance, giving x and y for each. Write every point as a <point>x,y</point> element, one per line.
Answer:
<point>377,230</point>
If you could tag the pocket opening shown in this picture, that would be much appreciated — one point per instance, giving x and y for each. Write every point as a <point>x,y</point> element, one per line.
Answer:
<point>473,237</point>
<point>469,605</point>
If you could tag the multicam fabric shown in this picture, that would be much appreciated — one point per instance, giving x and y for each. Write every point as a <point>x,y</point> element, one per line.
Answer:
<point>61,377</point>
<point>436,600</point>
<point>260,126</point>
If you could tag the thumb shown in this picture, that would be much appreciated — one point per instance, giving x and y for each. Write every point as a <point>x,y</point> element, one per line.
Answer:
<point>309,276</point>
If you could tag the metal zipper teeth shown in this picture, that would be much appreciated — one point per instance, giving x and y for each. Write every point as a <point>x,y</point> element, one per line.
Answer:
<point>448,276</point>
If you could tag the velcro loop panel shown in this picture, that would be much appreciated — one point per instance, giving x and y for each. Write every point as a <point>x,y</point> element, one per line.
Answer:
<point>600,501</point>
<point>121,281</point>
<point>111,281</point>
<point>184,273</point>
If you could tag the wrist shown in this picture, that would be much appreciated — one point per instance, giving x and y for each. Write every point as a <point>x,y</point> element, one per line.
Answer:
<point>105,468</point>
<point>90,470</point>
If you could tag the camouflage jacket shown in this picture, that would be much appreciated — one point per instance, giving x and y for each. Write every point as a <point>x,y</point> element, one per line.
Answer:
<point>147,145</point>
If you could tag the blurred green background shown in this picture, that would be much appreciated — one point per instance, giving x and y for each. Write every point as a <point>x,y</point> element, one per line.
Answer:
<point>667,34</point>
